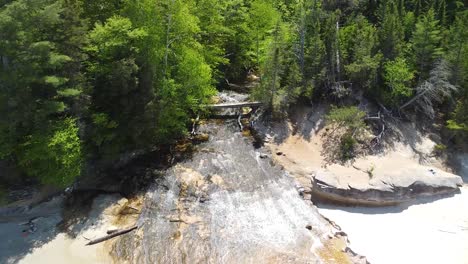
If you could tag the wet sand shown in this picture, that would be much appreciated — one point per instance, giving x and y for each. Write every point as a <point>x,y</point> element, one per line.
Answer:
<point>63,249</point>
<point>48,245</point>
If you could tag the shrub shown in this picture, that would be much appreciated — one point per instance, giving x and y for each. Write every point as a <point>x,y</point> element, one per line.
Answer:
<point>350,121</point>
<point>349,118</point>
<point>439,149</point>
<point>347,146</point>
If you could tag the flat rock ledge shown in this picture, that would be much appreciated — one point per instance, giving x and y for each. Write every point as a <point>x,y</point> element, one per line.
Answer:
<point>399,186</point>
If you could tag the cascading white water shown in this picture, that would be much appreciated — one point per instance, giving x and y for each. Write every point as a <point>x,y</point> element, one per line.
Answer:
<point>225,205</point>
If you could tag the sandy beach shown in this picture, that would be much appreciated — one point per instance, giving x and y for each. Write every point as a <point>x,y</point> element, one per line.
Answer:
<point>48,245</point>
<point>431,232</point>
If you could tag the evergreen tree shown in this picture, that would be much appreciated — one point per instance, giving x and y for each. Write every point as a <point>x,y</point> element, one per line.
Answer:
<point>214,34</point>
<point>118,101</point>
<point>458,56</point>
<point>391,32</point>
<point>263,18</point>
<point>425,44</point>
<point>358,42</point>
<point>39,83</point>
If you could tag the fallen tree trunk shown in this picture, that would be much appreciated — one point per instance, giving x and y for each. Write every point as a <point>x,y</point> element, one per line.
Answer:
<point>235,116</point>
<point>233,105</point>
<point>111,235</point>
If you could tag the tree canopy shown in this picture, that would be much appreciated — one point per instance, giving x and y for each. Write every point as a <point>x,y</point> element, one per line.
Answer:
<point>83,80</point>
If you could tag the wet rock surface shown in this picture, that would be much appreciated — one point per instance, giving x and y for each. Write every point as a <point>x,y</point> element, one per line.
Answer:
<point>230,205</point>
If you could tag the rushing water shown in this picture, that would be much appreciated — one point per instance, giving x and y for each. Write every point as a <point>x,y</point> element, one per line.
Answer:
<point>228,204</point>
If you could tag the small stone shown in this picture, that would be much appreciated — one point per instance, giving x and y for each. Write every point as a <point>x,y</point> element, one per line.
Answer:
<point>309,227</point>
<point>203,199</point>
<point>263,156</point>
<point>279,153</point>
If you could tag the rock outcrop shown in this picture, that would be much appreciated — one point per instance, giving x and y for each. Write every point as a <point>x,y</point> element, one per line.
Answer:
<point>398,186</point>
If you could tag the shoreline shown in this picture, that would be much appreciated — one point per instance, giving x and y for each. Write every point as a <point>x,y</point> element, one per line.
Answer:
<point>431,231</point>
<point>49,243</point>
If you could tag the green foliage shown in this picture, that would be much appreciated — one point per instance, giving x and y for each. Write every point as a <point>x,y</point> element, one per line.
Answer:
<point>439,149</point>
<point>459,120</point>
<point>215,34</point>
<point>101,10</point>
<point>391,31</point>
<point>135,72</point>
<point>425,44</point>
<point>458,56</point>
<point>350,118</point>
<point>120,119</point>
<point>54,156</point>
<point>273,66</point>
<point>347,146</point>
<point>398,77</point>
<point>350,121</point>
<point>358,42</point>
<point>262,19</point>
<point>37,73</point>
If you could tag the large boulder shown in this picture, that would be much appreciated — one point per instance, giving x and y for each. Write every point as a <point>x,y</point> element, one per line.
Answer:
<point>393,187</point>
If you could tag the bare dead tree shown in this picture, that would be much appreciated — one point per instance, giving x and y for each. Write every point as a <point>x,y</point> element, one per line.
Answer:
<point>433,90</point>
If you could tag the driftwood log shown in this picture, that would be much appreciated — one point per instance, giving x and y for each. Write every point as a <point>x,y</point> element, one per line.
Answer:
<point>111,234</point>
<point>233,105</point>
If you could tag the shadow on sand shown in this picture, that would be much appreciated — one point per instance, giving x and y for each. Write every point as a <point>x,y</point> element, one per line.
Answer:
<point>394,209</point>
<point>22,230</point>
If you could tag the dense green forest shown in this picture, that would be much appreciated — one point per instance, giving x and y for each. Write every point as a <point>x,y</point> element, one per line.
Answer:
<point>91,79</point>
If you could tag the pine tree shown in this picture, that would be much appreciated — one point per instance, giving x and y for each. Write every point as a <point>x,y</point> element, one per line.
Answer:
<point>426,44</point>
<point>458,56</point>
<point>39,84</point>
<point>391,33</point>
<point>262,19</point>
<point>214,33</point>
<point>358,42</point>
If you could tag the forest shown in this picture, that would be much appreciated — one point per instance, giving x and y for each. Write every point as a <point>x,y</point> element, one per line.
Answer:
<point>82,80</point>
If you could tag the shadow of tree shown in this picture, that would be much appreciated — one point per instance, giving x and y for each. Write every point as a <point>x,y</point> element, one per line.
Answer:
<point>307,121</point>
<point>24,230</point>
<point>331,148</point>
<point>71,216</point>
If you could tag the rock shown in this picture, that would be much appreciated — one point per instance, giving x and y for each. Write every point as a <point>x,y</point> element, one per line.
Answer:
<point>279,153</point>
<point>263,156</point>
<point>309,227</point>
<point>201,137</point>
<point>203,199</point>
<point>398,186</point>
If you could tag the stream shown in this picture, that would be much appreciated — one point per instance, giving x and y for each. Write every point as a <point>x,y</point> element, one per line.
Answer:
<point>228,204</point>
